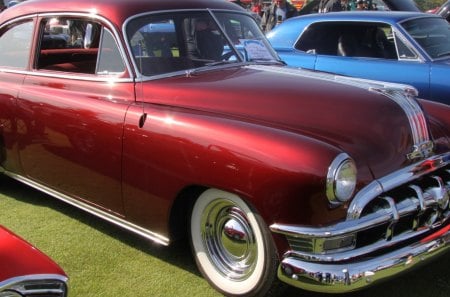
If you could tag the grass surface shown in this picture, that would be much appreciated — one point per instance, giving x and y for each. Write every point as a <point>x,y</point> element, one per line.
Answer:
<point>103,260</point>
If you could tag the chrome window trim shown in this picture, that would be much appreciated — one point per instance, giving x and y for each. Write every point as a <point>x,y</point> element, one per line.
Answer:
<point>76,76</point>
<point>158,238</point>
<point>68,75</point>
<point>139,75</point>
<point>19,19</point>
<point>399,34</point>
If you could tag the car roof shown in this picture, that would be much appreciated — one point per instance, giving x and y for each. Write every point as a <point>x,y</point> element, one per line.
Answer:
<point>286,34</point>
<point>117,11</point>
<point>386,16</point>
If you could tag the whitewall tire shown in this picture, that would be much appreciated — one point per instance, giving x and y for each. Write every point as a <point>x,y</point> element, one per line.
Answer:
<point>232,245</point>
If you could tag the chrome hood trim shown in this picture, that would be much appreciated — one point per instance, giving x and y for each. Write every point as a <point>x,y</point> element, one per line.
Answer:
<point>403,95</point>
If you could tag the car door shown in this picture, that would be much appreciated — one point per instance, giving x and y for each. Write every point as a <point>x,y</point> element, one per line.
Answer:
<point>71,110</point>
<point>15,48</point>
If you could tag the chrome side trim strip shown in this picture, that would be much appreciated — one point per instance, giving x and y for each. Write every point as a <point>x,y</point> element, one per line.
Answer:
<point>93,210</point>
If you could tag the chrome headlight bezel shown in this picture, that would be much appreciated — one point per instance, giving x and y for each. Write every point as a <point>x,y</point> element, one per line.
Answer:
<point>341,180</point>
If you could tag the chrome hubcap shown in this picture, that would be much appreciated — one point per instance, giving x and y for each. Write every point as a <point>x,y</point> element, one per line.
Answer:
<point>229,239</point>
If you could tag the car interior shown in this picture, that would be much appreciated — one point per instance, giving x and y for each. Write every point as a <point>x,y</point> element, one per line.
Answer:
<point>78,46</point>
<point>349,40</point>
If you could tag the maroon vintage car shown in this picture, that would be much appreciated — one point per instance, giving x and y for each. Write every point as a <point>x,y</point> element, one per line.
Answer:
<point>25,271</point>
<point>176,118</point>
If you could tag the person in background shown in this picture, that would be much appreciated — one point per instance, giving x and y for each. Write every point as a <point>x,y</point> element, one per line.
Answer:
<point>276,13</point>
<point>361,5</point>
<point>333,5</point>
<point>257,7</point>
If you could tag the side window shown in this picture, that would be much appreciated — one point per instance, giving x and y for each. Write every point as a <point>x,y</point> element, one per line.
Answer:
<point>155,46</point>
<point>109,60</point>
<point>15,45</point>
<point>78,45</point>
<point>311,40</point>
<point>404,52</point>
<point>371,40</point>
<point>157,39</point>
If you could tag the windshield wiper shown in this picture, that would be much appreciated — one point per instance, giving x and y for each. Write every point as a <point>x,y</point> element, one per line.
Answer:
<point>268,62</point>
<point>218,63</point>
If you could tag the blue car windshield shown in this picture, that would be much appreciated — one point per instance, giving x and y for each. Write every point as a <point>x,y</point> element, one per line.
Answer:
<point>173,42</point>
<point>432,34</point>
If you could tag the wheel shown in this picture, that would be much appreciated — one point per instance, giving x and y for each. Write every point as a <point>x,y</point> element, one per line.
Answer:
<point>232,246</point>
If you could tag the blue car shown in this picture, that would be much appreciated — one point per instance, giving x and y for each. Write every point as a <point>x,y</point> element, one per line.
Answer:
<point>404,47</point>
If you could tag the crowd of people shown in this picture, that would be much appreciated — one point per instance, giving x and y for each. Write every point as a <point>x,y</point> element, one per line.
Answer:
<point>279,10</point>
<point>343,5</point>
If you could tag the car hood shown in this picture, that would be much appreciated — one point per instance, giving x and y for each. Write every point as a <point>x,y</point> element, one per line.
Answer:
<point>372,128</point>
<point>19,258</point>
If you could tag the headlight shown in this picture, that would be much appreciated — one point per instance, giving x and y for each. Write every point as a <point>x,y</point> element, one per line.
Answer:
<point>341,179</point>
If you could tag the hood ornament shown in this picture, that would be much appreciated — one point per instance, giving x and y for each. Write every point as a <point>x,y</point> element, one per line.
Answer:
<point>421,150</point>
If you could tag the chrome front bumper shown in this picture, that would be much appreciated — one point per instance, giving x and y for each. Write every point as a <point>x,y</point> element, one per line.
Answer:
<point>346,277</point>
<point>393,224</point>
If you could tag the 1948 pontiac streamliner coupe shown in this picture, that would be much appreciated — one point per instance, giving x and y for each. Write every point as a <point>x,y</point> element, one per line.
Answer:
<point>176,118</point>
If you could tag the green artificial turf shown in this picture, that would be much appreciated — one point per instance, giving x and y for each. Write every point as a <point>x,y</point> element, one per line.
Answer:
<point>103,260</point>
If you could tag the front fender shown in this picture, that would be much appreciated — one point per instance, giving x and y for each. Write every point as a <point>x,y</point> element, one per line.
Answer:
<point>281,173</point>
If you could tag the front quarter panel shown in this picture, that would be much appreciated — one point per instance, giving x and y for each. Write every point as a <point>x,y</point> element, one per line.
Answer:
<point>281,174</point>
<point>19,258</point>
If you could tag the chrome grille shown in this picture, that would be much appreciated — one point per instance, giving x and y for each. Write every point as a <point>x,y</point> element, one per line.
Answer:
<point>403,207</point>
<point>416,206</point>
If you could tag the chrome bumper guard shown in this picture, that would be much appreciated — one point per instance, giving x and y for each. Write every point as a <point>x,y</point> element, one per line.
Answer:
<point>393,224</point>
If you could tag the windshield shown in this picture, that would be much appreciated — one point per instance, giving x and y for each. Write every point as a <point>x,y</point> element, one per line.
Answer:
<point>165,43</point>
<point>432,34</point>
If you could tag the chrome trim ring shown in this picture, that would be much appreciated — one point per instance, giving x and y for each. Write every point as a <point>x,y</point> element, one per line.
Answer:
<point>229,238</point>
<point>331,179</point>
